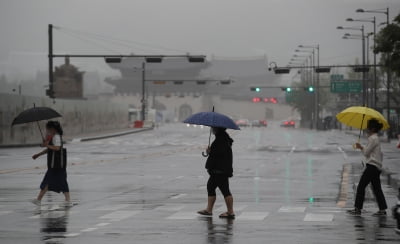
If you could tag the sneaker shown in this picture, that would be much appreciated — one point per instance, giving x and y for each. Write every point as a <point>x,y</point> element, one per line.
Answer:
<point>380,213</point>
<point>36,202</point>
<point>355,212</point>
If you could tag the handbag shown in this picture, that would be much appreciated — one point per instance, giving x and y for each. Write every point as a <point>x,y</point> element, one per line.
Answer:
<point>57,159</point>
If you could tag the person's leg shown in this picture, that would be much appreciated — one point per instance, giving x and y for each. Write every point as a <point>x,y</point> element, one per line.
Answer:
<point>364,181</point>
<point>224,187</point>
<point>377,189</point>
<point>212,196</point>
<point>67,196</point>
<point>41,193</point>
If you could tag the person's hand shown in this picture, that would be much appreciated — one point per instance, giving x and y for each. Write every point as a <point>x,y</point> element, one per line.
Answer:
<point>358,146</point>
<point>208,150</point>
<point>35,156</point>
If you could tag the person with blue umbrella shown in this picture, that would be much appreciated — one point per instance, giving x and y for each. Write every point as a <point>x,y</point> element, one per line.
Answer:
<point>219,162</point>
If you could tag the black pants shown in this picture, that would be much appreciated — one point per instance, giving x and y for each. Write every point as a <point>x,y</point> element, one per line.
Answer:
<point>370,175</point>
<point>220,181</point>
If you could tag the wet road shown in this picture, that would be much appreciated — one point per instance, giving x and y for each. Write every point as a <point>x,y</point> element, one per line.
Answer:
<point>289,186</point>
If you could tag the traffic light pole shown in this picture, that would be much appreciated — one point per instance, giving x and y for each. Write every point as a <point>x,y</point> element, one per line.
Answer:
<point>50,91</point>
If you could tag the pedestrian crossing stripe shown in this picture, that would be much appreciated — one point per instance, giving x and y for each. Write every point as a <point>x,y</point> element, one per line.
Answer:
<point>111,207</point>
<point>171,208</point>
<point>253,216</point>
<point>237,208</point>
<point>311,217</point>
<point>5,212</point>
<point>184,216</point>
<point>289,209</point>
<point>119,215</point>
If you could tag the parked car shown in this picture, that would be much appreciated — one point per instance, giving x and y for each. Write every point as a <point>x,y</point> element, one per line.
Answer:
<point>288,123</point>
<point>243,122</point>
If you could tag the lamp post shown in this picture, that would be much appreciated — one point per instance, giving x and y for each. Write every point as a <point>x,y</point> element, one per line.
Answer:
<point>364,98</point>
<point>386,12</point>
<point>314,48</point>
<point>373,21</point>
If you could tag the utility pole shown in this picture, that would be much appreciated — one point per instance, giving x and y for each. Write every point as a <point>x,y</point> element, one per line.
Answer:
<point>51,77</point>
<point>143,91</point>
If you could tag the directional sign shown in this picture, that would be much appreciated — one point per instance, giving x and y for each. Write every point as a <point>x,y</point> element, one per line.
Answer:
<point>348,86</point>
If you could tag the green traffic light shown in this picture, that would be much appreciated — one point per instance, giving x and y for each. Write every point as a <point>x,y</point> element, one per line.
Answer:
<point>311,199</point>
<point>258,89</point>
<point>288,89</point>
<point>311,89</point>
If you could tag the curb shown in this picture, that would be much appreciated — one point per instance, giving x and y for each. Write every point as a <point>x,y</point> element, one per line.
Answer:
<point>80,139</point>
<point>110,135</point>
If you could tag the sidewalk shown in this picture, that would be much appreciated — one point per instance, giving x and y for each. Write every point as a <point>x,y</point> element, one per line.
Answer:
<point>89,136</point>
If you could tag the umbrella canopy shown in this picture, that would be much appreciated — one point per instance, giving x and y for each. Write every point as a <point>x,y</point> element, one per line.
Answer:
<point>212,119</point>
<point>357,117</point>
<point>35,114</point>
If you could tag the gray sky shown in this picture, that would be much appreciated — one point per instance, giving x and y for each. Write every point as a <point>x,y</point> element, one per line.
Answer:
<point>229,28</point>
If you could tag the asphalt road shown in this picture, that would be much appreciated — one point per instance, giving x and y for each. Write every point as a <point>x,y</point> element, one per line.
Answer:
<point>289,186</point>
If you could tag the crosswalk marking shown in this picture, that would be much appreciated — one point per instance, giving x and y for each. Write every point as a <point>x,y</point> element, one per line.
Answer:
<point>119,215</point>
<point>170,208</point>
<point>289,209</point>
<point>89,229</point>
<point>102,224</point>
<point>111,207</point>
<point>5,212</point>
<point>236,208</point>
<point>178,196</point>
<point>253,216</point>
<point>183,216</point>
<point>72,234</point>
<point>311,217</point>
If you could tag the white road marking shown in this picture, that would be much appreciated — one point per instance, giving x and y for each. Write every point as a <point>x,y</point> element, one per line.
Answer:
<point>289,209</point>
<point>119,215</point>
<point>111,207</point>
<point>311,217</point>
<point>170,208</point>
<point>89,229</point>
<point>102,224</point>
<point>72,234</point>
<point>178,196</point>
<point>5,212</point>
<point>253,216</point>
<point>183,215</point>
<point>236,208</point>
<point>179,177</point>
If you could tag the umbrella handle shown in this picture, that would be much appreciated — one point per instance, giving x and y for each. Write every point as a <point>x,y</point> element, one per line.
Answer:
<point>41,133</point>
<point>204,154</point>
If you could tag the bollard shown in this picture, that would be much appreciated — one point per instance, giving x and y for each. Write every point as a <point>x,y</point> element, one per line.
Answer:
<point>396,214</point>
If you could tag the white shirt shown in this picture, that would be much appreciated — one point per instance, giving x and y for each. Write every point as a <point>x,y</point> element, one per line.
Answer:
<point>57,140</point>
<point>372,151</point>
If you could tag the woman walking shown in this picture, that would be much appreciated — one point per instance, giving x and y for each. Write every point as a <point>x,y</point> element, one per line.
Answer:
<point>219,167</point>
<point>373,155</point>
<point>55,178</point>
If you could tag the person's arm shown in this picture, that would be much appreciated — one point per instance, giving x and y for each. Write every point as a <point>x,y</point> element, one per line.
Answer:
<point>35,156</point>
<point>367,150</point>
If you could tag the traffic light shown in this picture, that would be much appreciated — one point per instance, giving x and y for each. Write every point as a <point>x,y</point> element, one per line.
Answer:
<point>50,92</point>
<point>256,89</point>
<point>310,89</point>
<point>256,99</point>
<point>286,89</point>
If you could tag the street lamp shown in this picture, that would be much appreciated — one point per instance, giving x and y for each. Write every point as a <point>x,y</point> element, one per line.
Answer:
<point>386,12</point>
<point>373,21</point>
<point>314,48</point>
<point>363,56</point>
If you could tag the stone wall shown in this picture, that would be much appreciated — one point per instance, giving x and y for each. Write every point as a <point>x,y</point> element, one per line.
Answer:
<point>79,117</point>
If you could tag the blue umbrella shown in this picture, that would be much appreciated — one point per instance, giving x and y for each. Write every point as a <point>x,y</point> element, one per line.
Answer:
<point>212,119</point>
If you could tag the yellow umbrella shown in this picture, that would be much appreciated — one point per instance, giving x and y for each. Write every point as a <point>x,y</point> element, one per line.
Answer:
<point>357,117</point>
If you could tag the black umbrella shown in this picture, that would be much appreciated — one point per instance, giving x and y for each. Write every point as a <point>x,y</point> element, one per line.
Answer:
<point>35,114</point>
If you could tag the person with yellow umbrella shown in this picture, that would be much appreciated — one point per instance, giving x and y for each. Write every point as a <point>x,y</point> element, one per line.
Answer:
<point>355,117</point>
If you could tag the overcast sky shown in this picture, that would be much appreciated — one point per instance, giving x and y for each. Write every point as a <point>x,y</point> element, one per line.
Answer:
<point>228,28</point>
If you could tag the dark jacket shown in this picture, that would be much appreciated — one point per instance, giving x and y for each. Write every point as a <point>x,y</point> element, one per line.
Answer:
<point>219,160</point>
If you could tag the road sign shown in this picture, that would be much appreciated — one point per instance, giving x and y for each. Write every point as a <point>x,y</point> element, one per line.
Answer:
<point>347,86</point>
<point>337,77</point>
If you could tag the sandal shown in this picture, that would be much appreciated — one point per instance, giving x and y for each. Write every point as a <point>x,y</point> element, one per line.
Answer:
<point>227,215</point>
<point>204,212</point>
